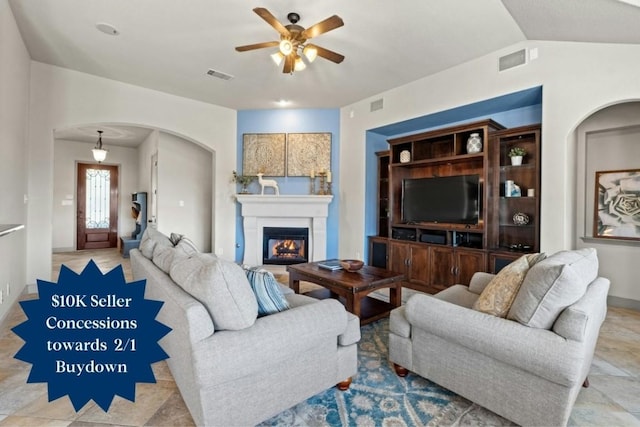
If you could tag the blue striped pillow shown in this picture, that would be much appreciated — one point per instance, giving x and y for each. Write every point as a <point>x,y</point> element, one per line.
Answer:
<point>267,291</point>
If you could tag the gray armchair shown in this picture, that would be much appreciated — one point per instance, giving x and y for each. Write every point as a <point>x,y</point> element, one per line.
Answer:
<point>529,375</point>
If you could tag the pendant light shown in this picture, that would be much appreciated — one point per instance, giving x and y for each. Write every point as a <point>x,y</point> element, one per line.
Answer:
<point>99,153</point>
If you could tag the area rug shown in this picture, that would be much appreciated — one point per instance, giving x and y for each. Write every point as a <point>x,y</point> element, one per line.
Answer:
<point>378,397</point>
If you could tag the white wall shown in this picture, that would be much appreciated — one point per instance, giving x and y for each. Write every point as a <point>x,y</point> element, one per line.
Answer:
<point>61,98</point>
<point>14,96</point>
<point>185,181</point>
<point>577,79</point>
<point>145,151</point>
<point>608,140</point>
<point>67,154</point>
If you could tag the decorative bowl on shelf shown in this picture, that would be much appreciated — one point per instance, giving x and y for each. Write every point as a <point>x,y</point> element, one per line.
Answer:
<point>351,264</point>
<point>520,218</point>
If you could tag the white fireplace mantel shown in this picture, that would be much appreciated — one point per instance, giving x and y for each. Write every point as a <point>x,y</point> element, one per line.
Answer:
<point>259,211</point>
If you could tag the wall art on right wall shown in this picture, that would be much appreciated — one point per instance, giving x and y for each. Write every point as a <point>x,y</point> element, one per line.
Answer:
<point>617,204</point>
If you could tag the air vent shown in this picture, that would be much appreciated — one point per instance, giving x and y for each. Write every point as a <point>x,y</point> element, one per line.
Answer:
<point>512,60</point>
<point>219,74</point>
<point>377,105</point>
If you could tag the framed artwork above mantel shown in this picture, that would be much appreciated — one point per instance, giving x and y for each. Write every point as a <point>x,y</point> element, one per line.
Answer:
<point>308,152</point>
<point>263,153</point>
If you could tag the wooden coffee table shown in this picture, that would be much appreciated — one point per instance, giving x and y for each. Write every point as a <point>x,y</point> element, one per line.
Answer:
<point>351,288</point>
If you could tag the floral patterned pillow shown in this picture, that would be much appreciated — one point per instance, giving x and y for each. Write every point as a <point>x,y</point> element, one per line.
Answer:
<point>497,297</point>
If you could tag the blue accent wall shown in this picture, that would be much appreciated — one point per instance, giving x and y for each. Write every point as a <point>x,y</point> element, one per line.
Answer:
<point>293,121</point>
<point>516,109</point>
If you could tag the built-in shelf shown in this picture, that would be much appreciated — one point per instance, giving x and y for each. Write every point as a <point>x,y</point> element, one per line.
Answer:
<point>611,241</point>
<point>9,228</point>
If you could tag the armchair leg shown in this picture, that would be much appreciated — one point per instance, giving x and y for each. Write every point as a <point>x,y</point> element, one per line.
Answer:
<point>585,384</point>
<point>344,385</point>
<point>400,371</point>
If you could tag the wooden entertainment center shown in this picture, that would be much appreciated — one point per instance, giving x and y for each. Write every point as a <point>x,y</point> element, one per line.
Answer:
<point>436,255</point>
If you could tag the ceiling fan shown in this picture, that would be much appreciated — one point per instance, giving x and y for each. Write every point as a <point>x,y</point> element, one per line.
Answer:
<point>293,41</point>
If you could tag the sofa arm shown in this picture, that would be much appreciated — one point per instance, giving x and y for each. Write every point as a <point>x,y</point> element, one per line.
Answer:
<point>585,317</point>
<point>272,340</point>
<point>479,281</point>
<point>538,351</point>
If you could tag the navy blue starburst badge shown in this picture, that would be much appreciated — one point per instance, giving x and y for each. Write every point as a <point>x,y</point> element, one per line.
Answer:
<point>91,336</point>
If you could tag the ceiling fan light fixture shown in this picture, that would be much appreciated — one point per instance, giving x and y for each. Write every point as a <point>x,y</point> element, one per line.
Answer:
<point>293,49</point>
<point>99,153</point>
<point>286,47</point>
<point>299,64</point>
<point>277,57</point>
<point>310,52</point>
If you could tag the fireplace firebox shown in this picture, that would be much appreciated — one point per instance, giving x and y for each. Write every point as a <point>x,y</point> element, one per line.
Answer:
<point>285,245</point>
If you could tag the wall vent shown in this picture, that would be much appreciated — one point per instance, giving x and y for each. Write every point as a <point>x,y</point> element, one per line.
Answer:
<point>219,74</point>
<point>377,105</point>
<point>512,60</point>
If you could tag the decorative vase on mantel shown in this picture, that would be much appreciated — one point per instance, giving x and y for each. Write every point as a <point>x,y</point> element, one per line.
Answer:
<point>474,144</point>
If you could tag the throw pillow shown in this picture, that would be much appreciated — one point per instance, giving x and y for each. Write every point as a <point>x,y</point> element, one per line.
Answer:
<point>267,291</point>
<point>221,286</point>
<point>498,295</point>
<point>175,238</point>
<point>553,285</point>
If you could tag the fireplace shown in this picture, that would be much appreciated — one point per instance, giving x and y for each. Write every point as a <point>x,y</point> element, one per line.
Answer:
<point>285,245</point>
<point>287,210</point>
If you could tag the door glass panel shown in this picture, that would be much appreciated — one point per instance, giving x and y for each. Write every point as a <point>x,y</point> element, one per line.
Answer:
<point>97,203</point>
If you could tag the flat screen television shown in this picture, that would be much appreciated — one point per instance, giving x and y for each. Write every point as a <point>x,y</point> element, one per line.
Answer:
<point>448,199</point>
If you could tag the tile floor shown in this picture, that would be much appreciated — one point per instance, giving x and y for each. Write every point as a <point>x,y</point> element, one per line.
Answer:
<point>613,399</point>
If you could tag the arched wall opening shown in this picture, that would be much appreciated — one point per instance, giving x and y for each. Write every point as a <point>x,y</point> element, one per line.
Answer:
<point>185,172</point>
<point>608,140</point>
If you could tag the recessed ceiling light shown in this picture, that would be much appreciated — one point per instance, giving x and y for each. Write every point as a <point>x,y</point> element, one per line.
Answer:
<point>283,102</point>
<point>107,28</point>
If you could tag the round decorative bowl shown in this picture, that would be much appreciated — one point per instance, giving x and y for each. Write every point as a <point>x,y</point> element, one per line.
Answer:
<point>351,264</point>
<point>520,218</point>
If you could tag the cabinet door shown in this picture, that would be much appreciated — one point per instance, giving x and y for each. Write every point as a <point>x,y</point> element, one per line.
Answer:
<point>419,264</point>
<point>398,257</point>
<point>467,263</point>
<point>441,271</point>
<point>378,248</point>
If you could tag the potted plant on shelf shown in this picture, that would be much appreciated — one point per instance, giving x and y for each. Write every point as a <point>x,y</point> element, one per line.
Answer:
<point>243,180</point>
<point>516,154</point>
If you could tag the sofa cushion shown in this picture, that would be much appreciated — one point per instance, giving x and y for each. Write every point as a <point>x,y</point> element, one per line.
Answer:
<point>498,296</point>
<point>267,291</point>
<point>552,285</point>
<point>163,257</point>
<point>186,247</point>
<point>221,286</point>
<point>150,238</point>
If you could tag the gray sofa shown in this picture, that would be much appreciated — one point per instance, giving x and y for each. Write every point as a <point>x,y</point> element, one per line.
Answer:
<point>255,367</point>
<point>527,368</point>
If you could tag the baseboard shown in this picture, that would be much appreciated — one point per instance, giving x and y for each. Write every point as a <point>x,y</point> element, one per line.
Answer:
<point>623,303</point>
<point>61,250</point>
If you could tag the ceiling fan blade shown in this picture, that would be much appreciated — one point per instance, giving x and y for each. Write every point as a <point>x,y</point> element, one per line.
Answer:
<point>271,20</point>
<point>289,62</point>
<point>256,46</point>
<point>328,54</point>
<point>328,24</point>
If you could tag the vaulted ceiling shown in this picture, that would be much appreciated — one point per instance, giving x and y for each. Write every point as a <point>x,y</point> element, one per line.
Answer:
<point>168,45</point>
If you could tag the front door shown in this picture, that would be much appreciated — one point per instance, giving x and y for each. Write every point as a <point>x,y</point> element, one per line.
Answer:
<point>97,225</point>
